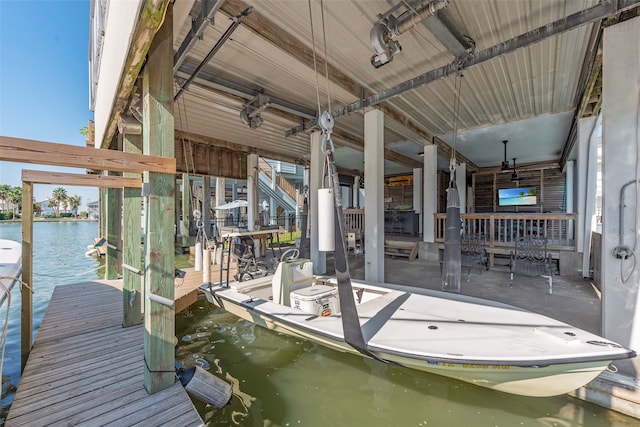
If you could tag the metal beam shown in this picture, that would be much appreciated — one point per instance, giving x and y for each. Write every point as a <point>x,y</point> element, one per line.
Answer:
<point>198,25</point>
<point>263,27</point>
<point>568,23</point>
<point>227,34</point>
<point>446,34</point>
<point>229,87</point>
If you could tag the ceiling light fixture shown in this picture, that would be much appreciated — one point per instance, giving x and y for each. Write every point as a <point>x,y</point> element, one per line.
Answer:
<point>505,162</point>
<point>514,175</point>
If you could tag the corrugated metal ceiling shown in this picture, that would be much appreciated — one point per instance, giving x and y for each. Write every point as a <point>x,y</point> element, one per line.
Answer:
<point>539,80</point>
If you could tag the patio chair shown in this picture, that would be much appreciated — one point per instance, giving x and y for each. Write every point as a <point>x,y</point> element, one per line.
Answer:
<point>530,258</point>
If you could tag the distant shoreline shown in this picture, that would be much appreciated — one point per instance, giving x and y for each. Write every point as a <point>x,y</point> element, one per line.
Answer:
<point>51,220</point>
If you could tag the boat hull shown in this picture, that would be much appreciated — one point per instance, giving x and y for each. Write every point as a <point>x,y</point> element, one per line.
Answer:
<point>10,266</point>
<point>521,378</point>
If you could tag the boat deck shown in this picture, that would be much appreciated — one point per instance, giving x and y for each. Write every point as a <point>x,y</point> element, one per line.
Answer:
<point>86,369</point>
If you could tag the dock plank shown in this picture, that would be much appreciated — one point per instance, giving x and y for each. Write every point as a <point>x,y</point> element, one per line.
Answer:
<point>86,369</point>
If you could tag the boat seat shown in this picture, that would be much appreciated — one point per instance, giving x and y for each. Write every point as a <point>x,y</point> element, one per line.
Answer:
<point>250,285</point>
<point>290,276</point>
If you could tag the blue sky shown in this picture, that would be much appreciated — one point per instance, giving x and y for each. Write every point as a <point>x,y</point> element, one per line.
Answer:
<point>44,89</point>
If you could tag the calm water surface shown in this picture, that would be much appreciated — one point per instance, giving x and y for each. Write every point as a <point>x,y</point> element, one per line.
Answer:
<point>284,381</point>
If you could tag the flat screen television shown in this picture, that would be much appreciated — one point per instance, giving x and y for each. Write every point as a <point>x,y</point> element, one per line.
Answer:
<point>523,196</point>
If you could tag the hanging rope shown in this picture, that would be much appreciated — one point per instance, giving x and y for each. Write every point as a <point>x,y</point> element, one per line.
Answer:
<point>326,56</point>
<point>349,315</point>
<point>452,258</point>
<point>201,235</point>
<point>456,113</point>
<point>186,144</point>
<point>315,64</point>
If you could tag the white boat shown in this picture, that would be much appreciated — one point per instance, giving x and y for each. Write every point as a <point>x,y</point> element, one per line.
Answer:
<point>10,266</point>
<point>483,342</point>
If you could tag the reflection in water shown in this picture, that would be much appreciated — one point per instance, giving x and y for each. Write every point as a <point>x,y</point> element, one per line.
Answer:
<point>280,380</point>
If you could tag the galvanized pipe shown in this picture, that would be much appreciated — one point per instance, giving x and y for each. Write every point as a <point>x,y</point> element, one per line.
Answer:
<point>412,17</point>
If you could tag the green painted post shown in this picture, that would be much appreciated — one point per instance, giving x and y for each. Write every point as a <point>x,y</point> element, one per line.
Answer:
<point>101,215</point>
<point>131,297</point>
<point>158,139</point>
<point>112,230</point>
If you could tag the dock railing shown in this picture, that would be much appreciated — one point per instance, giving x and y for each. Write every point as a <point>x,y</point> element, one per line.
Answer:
<point>501,229</point>
<point>504,229</point>
<point>354,220</point>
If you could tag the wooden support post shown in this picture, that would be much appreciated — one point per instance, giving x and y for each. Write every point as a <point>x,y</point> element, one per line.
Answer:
<point>26,318</point>
<point>112,232</point>
<point>101,215</point>
<point>131,297</point>
<point>186,211</point>
<point>158,139</point>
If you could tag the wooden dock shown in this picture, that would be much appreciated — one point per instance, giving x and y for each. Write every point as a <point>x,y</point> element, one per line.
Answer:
<point>86,369</point>
<point>186,289</point>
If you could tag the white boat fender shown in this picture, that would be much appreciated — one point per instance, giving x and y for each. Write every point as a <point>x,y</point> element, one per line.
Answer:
<point>205,386</point>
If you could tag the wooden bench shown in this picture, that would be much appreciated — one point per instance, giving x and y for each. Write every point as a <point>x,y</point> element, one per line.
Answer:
<point>401,248</point>
<point>531,258</point>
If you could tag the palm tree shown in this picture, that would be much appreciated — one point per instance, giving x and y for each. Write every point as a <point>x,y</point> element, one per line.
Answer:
<point>4,194</point>
<point>52,204</point>
<point>15,198</point>
<point>60,196</point>
<point>74,202</point>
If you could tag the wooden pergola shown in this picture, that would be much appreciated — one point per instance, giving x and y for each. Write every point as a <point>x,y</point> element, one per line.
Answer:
<point>132,164</point>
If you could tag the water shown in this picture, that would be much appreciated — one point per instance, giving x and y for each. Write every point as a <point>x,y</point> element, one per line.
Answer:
<point>284,381</point>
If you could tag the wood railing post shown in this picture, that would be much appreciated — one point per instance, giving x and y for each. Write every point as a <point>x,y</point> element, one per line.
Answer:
<point>131,236</point>
<point>26,317</point>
